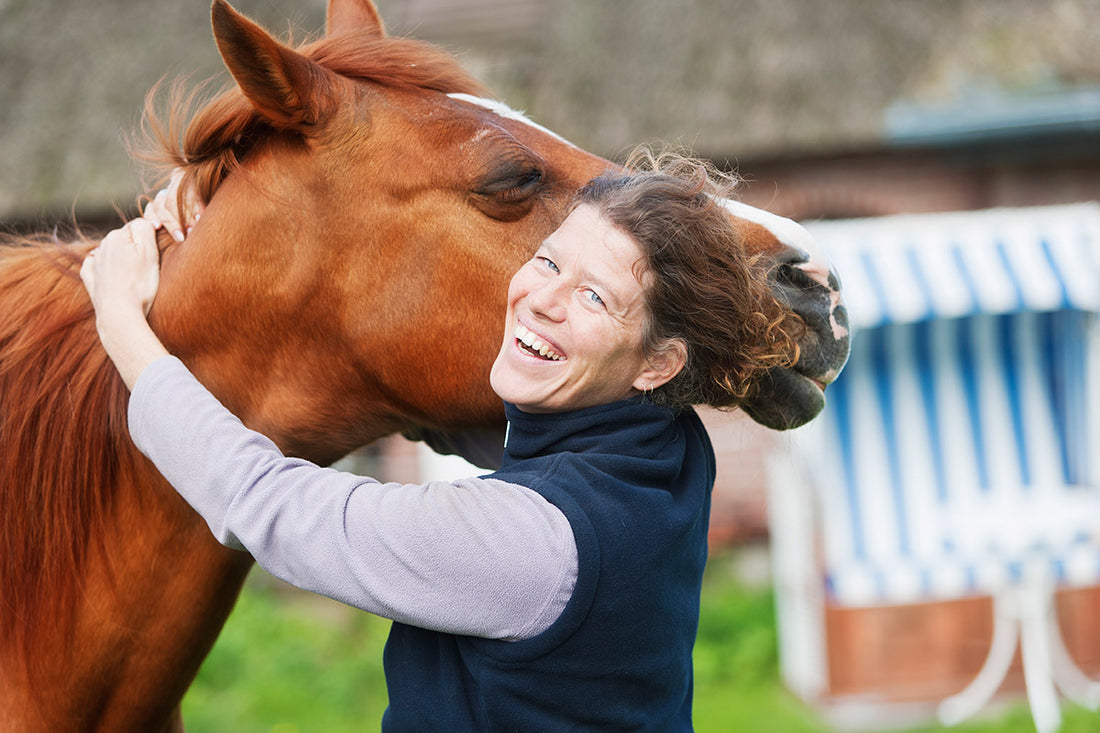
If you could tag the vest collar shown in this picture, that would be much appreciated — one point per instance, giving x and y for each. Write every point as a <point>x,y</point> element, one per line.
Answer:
<point>632,426</point>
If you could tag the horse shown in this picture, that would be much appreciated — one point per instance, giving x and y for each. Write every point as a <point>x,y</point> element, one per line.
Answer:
<point>365,205</point>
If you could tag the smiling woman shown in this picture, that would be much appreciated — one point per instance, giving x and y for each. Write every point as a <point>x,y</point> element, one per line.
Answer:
<point>703,292</point>
<point>644,288</point>
<point>562,590</point>
<point>576,315</point>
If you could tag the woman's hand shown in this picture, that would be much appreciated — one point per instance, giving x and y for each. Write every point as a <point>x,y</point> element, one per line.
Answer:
<point>121,276</point>
<point>163,210</point>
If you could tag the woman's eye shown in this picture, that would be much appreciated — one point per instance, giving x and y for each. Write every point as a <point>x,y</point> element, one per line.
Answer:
<point>548,263</point>
<point>594,297</point>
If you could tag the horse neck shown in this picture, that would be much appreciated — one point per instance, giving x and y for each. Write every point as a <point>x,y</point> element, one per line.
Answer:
<point>249,304</point>
<point>218,309</point>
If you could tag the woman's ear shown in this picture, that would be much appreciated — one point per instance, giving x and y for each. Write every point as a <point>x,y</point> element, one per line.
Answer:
<point>662,366</point>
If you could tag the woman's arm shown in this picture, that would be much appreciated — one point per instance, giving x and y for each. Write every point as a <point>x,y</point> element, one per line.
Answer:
<point>477,557</point>
<point>121,276</point>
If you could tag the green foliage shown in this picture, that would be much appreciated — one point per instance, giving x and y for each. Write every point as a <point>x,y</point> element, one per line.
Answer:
<point>736,644</point>
<point>288,662</point>
<point>737,663</point>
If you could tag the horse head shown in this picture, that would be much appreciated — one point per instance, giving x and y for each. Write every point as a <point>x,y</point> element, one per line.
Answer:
<point>347,279</point>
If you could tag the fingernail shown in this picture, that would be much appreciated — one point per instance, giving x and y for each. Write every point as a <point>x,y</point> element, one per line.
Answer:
<point>177,235</point>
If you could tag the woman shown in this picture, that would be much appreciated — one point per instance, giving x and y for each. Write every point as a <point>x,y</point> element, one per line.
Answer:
<point>562,591</point>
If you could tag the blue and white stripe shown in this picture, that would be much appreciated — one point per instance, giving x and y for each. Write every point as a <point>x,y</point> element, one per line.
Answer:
<point>901,269</point>
<point>957,451</point>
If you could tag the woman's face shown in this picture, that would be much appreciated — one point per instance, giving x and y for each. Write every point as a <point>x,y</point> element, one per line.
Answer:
<point>576,311</point>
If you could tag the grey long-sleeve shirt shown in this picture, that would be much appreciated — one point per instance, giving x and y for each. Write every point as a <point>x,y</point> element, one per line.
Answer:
<point>478,557</point>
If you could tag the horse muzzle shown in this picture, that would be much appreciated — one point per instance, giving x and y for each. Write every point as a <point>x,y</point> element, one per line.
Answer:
<point>789,397</point>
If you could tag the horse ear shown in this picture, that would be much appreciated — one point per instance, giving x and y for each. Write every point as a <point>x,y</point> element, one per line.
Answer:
<point>353,15</point>
<point>280,83</point>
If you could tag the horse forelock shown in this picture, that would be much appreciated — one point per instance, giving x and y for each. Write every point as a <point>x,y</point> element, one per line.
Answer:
<point>63,439</point>
<point>393,62</point>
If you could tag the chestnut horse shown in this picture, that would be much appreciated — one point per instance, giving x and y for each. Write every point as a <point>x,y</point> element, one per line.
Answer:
<point>365,208</point>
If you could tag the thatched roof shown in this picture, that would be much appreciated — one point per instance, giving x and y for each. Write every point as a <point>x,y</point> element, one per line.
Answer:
<point>795,77</point>
<point>73,79</point>
<point>731,78</point>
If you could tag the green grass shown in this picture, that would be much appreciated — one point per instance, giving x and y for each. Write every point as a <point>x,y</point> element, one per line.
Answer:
<point>288,662</point>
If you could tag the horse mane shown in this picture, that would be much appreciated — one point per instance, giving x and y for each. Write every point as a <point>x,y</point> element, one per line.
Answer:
<point>63,434</point>
<point>64,441</point>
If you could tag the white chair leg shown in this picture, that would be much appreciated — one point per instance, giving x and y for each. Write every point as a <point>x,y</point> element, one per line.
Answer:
<point>962,705</point>
<point>1035,623</point>
<point>1069,678</point>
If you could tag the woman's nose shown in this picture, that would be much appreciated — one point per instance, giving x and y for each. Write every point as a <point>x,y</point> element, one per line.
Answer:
<point>547,301</point>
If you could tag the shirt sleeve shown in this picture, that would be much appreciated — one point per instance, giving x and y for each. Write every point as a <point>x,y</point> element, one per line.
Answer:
<point>478,556</point>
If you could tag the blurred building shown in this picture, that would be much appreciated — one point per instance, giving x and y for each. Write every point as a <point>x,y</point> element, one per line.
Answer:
<point>835,109</point>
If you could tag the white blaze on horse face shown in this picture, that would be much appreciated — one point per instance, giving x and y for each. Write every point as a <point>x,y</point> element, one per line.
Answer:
<point>503,110</point>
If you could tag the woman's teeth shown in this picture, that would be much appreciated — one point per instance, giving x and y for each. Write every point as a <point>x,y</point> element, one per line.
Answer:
<point>534,343</point>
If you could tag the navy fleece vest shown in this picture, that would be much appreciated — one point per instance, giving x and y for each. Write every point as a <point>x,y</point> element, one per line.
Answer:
<point>634,481</point>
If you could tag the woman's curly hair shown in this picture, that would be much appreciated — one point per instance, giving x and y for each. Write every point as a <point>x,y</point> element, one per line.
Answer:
<point>703,288</point>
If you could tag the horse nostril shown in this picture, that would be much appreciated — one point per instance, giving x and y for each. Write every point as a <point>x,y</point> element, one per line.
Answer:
<point>792,255</point>
<point>792,275</point>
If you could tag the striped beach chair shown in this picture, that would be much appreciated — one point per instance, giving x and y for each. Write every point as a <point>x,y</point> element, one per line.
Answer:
<point>958,453</point>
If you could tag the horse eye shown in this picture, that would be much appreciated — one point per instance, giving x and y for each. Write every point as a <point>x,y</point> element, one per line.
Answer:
<point>509,193</point>
<point>515,185</point>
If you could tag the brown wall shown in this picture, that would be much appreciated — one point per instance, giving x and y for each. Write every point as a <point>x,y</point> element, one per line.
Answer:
<point>920,181</point>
